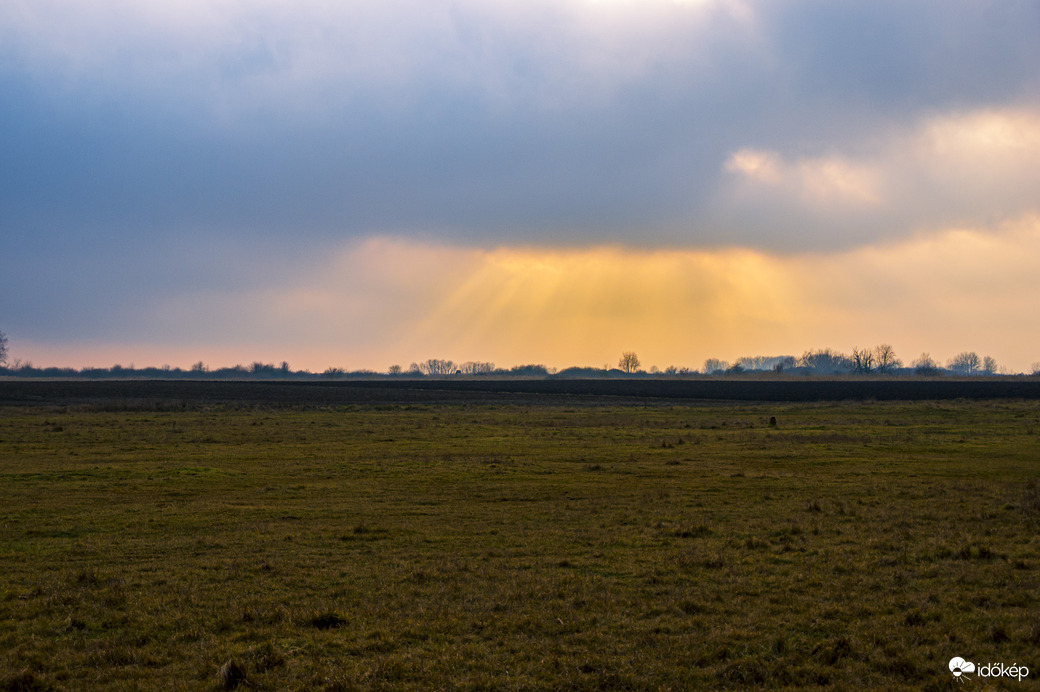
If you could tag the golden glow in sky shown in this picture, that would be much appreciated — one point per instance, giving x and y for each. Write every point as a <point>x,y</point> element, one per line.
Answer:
<point>960,289</point>
<point>385,301</point>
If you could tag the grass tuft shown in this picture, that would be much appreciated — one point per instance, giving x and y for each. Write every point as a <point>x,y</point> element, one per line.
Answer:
<point>1031,499</point>
<point>692,608</point>
<point>25,681</point>
<point>327,620</point>
<point>231,675</point>
<point>693,531</point>
<point>263,658</point>
<point>833,651</point>
<point>976,552</point>
<point>716,561</point>
<point>1033,637</point>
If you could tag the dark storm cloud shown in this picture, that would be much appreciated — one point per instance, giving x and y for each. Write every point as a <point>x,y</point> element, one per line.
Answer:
<point>500,133</point>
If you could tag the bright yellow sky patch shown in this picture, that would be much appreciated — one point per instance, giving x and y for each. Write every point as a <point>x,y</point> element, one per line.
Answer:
<point>942,293</point>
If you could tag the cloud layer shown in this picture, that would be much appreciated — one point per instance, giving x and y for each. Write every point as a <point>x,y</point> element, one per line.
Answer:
<point>549,121</point>
<point>961,168</point>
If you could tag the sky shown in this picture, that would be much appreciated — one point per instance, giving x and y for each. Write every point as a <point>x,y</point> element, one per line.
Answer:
<point>361,184</point>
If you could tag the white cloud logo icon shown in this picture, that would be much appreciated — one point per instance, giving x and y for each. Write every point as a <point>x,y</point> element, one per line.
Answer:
<point>958,666</point>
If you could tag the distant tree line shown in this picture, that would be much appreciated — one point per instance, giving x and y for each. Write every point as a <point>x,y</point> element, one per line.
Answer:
<point>879,360</point>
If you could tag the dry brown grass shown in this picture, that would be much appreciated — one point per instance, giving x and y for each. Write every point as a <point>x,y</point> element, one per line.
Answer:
<point>516,547</point>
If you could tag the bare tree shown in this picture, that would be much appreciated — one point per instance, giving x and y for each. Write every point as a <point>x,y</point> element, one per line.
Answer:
<point>477,368</point>
<point>825,361</point>
<point>766,363</point>
<point>3,349</point>
<point>394,370</point>
<point>885,359</point>
<point>862,360</point>
<point>925,365</point>
<point>989,365</point>
<point>713,365</point>
<point>751,362</point>
<point>967,363</point>
<point>629,362</point>
<point>1036,368</point>
<point>435,366</point>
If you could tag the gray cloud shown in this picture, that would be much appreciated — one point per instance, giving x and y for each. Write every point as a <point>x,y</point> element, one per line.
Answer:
<point>556,122</point>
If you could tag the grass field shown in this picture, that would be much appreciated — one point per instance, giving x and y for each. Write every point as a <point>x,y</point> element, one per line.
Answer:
<point>509,545</point>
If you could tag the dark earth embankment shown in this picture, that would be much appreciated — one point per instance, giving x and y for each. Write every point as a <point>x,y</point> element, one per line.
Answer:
<point>15,391</point>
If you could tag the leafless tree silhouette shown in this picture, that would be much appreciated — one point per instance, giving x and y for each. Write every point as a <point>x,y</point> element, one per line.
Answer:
<point>825,361</point>
<point>885,359</point>
<point>925,365</point>
<point>715,365</point>
<point>629,362</point>
<point>862,360</point>
<point>435,366</point>
<point>967,363</point>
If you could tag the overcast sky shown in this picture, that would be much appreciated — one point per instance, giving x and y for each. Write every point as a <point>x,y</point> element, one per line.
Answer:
<point>362,183</point>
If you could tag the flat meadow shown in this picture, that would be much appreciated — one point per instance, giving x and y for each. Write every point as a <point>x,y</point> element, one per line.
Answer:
<point>515,543</point>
